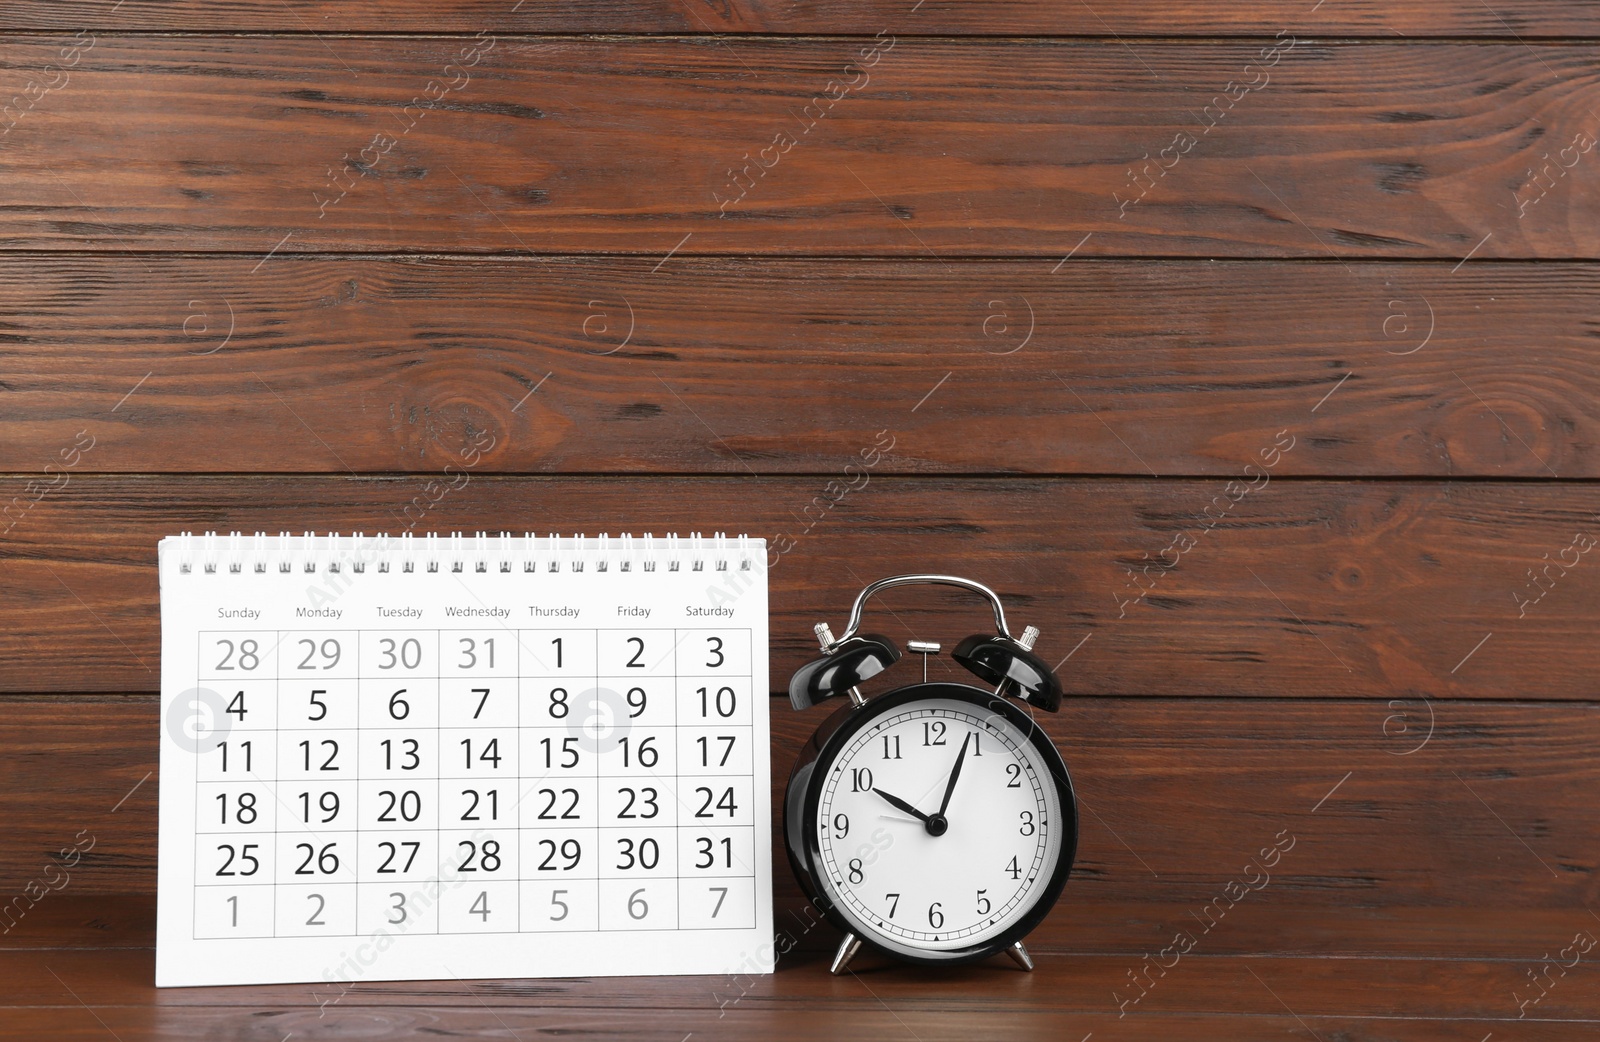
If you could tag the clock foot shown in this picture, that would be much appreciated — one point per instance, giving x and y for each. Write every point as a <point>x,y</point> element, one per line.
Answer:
<point>847,951</point>
<point>1020,956</point>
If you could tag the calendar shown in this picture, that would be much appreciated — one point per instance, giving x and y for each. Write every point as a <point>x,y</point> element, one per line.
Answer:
<point>479,756</point>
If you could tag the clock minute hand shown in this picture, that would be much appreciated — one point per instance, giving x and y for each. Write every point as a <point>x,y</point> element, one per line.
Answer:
<point>901,804</point>
<point>955,772</point>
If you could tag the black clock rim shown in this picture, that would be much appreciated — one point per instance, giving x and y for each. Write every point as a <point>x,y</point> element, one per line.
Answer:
<point>851,720</point>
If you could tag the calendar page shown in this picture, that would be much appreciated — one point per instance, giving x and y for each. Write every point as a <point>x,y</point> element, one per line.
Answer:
<point>490,756</point>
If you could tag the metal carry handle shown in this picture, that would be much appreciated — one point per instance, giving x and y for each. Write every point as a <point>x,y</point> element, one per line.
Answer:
<point>925,580</point>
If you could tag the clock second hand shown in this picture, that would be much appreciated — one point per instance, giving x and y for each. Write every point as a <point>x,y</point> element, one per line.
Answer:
<point>901,804</point>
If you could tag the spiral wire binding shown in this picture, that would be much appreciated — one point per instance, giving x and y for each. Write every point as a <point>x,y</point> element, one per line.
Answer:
<point>457,553</point>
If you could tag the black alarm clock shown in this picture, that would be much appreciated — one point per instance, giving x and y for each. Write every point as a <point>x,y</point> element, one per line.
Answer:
<point>935,821</point>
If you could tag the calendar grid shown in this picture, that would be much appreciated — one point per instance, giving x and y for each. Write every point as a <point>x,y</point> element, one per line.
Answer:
<point>653,769</point>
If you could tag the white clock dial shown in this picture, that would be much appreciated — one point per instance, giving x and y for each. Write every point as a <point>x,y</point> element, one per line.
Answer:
<point>912,877</point>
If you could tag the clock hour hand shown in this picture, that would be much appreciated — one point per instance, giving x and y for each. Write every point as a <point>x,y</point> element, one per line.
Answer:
<point>901,804</point>
<point>955,772</point>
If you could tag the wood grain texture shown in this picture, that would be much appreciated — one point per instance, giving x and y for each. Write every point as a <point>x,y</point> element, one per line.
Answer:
<point>942,148</point>
<point>1470,836</point>
<point>1525,19</point>
<point>1299,588</point>
<point>1407,989</point>
<point>790,366</point>
<point>867,1020</point>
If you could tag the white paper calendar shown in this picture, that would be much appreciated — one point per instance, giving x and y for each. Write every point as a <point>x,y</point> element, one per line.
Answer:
<point>462,757</point>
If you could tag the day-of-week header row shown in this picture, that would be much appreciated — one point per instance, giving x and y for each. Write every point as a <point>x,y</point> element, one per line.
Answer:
<point>564,612</point>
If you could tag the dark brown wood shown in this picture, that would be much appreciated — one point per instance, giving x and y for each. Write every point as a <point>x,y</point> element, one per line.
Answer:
<point>74,917</point>
<point>1293,458</point>
<point>1474,840</point>
<point>778,366</point>
<point>1524,19</point>
<point>940,148</point>
<point>1299,588</point>
<point>1404,989</point>
<point>867,1019</point>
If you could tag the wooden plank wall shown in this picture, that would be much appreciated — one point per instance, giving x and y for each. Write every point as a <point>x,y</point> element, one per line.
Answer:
<point>1248,349</point>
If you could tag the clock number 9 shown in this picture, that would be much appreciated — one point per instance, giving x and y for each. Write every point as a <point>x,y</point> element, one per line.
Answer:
<point>856,875</point>
<point>841,826</point>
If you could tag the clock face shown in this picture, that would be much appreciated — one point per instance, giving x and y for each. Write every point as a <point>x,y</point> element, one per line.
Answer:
<point>919,871</point>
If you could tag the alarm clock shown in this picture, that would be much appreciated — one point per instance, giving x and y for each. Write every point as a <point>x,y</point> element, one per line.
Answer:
<point>936,821</point>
